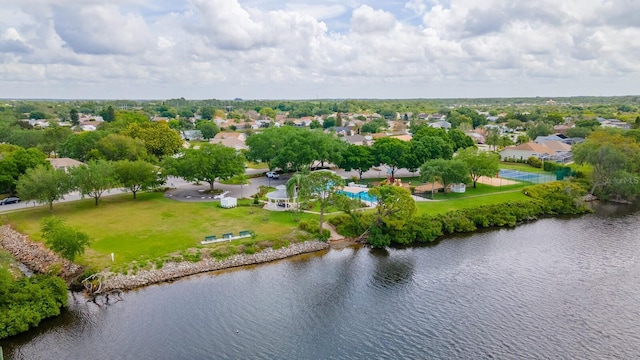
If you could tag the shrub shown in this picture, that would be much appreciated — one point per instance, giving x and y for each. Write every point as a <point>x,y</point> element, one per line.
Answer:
<point>534,161</point>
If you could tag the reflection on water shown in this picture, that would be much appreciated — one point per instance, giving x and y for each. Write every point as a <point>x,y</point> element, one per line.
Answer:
<point>555,288</point>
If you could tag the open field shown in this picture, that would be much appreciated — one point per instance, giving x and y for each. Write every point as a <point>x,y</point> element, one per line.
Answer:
<point>440,207</point>
<point>154,227</point>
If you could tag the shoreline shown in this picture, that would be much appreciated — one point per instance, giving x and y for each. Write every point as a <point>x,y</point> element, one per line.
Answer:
<point>39,259</point>
<point>176,270</point>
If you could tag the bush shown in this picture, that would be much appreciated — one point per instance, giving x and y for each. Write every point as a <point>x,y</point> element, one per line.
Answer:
<point>535,162</point>
<point>25,302</point>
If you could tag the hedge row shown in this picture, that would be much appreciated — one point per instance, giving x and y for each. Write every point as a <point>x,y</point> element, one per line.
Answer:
<point>546,199</point>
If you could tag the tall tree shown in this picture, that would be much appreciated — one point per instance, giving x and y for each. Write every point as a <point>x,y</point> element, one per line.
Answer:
<point>395,207</point>
<point>479,163</point>
<point>74,116</point>
<point>110,114</point>
<point>137,175</point>
<point>358,158</point>
<point>94,178</point>
<point>208,163</point>
<point>160,140</point>
<point>321,186</point>
<point>115,147</point>
<point>391,152</point>
<point>208,129</point>
<point>44,184</point>
<point>448,171</point>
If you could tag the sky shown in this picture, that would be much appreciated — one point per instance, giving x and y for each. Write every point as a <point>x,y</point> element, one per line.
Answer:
<point>309,49</point>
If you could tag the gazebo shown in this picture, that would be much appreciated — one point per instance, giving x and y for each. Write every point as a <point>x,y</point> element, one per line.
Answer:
<point>279,200</point>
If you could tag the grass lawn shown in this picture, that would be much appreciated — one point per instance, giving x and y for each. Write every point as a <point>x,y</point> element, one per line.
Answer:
<point>440,207</point>
<point>523,167</point>
<point>154,227</point>
<point>480,189</point>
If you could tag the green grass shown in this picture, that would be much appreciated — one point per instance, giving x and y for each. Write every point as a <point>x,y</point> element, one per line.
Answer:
<point>154,227</point>
<point>523,167</point>
<point>480,189</point>
<point>440,207</point>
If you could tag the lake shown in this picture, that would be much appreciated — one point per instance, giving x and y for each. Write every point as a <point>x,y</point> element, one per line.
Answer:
<point>554,288</point>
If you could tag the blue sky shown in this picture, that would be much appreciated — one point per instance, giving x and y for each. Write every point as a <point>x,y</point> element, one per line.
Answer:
<point>304,49</point>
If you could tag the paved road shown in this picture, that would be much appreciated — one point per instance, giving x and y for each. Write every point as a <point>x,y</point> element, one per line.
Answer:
<point>187,191</point>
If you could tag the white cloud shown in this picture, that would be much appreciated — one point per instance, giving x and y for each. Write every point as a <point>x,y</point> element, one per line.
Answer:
<point>301,49</point>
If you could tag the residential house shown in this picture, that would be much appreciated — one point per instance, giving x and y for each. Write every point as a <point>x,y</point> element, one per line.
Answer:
<point>234,140</point>
<point>551,150</point>
<point>614,123</point>
<point>191,135</point>
<point>441,124</point>
<point>358,140</point>
<point>64,163</point>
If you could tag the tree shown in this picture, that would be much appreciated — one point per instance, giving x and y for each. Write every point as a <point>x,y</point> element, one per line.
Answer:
<point>44,184</point>
<point>74,116</point>
<point>492,138</point>
<point>460,139</point>
<point>110,114</point>
<point>391,152</point>
<point>616,162</point>
<point>207,112</point>
<point>329,122</point>
<point>115,147</point>
<point>14,162</point>
<point>54,137</point>
<point>208,129</point>
<point>94,178</point>
<point>321,186</point>
<point>358,158</point>
<point>137,175</point>
<point>268,112</point>
<point>298,189</point>
<point>82,146</point>
<point>395,207</point>
<point>540,129</point>
<point>430,173</point>
<point>448,171</point>
<point>63,239</point>
<point>160,140</point>
<point>479,163</point>
<point>210,162</point>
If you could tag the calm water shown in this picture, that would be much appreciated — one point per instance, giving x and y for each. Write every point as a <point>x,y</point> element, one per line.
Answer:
<point>556,288</point>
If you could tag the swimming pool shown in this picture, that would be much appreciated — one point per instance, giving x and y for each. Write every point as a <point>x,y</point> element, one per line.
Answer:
<point>364,195</point>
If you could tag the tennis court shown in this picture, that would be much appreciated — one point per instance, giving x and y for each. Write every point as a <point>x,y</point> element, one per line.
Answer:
<point>526,176</point>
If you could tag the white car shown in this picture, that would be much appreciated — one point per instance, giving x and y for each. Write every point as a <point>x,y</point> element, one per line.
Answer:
<point>273,175</point>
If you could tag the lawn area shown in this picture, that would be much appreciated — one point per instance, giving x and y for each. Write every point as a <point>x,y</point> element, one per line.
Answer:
<point>523,167</point>
<point>154,227</point>
<point>480,189</point>
<point>440,207</point>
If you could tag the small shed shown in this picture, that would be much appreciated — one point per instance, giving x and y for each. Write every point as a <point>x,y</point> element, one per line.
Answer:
<point>458,188</point>
<point>228,202</point>
<point>279,200</point>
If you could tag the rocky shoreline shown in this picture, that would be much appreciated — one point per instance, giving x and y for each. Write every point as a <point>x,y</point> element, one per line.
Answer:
<point>36,256</point>
<point>171,271</point>
<point>39,259</point>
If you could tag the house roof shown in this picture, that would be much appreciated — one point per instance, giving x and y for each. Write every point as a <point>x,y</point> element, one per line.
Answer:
<point>63,163</point>
<point>230,142</point>
<point>557,145</point>
<point>548,147</point>
<point>403,137</point>
<point>230,135</point>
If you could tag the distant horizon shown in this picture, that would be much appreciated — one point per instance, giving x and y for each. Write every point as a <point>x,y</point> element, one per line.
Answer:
<point>319,99</point>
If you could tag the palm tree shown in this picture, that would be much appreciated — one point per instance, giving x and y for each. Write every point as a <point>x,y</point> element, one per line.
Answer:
<point>296,188</point>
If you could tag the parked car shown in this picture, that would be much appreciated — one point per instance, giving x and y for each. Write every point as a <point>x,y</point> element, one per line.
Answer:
<point>10,200</point>
<point>273,175</point>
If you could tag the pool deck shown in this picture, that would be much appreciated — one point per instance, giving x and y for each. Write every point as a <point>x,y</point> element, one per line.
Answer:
<point>354,190</point>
